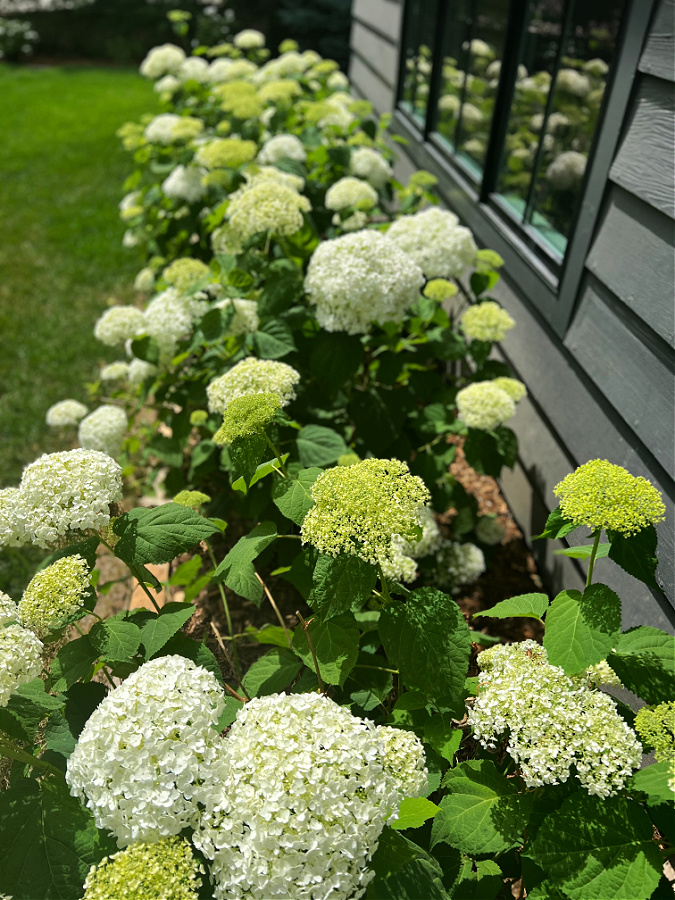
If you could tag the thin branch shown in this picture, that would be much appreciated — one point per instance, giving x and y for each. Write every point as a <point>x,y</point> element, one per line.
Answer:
<point>269,596</point>
<point>14,752</point>
<point>229,661</point>
<point>305,626</point>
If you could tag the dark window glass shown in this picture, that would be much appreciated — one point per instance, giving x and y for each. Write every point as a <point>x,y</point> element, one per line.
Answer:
<point>421,17</point>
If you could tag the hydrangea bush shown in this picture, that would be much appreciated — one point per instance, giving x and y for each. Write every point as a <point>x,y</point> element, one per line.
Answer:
<point>316,339</point>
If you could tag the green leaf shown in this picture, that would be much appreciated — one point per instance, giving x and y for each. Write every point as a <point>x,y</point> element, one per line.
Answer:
<point>58,736</point>
<point>340,583</point>
<point>336,644</point>
<point>274,340</point>
<point>49,841</point>
<point>81,701</point>
<point>74,661</point>
<point>368,686</point>
<point>414,812</point>
<point>237,571</point>
<point>115,639</point>
<point>583,551</point>
<point>26,708</point>
<point>186,572</point>
<point>653,781</point>
<point>319,446</point>
<point>593,849</point>
<point>484,813</point>
<point>183,645</point>
<point>293,496</point>
<point>229,713</point>
<point>404,871</point>
<point>335,358</point>
<point>246,454</point>
<point>158,535</point>
<point>482,884</point>
<point>645,662</point>
<point>267,468</point>
<point>146,348</point>
<point>379,416</point>
<point>282,288</point>
<point>427,639</point>
<point>636,554</point>
<point>443,735</point>
<point>582,629</point>
<point>85,549</point>
<point>272,673</point>
<point>557,526</point>
<point>158,630</point>
<point>529,606</point>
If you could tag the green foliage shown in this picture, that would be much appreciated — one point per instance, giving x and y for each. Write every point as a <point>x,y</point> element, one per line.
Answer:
<point>293,495</point>
<point>158,535</point>
<point>237,570</point>
<point>645,663</point>
<point>272,673</point>
<point>335,643</point>
<point>340,583</point>
<point>582,629</point>
<point>530,606</point>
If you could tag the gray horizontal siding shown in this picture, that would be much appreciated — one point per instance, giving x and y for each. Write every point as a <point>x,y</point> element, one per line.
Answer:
<point>659,53</point>
<point>633,255</point>
<point>383,15</point>
<point>380,53</point>
<point>368,84</point>
<point>644,163</point>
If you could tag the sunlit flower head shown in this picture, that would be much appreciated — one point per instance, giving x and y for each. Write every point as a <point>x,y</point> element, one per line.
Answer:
<point>267,207</point>
<point>434,239</point>
<point>247,415</point>
<point>104,429</point>
<point>54,594</point>
<point>225,153</point>
<point>252,376</point>
<point>162,60</point>
<point>20,659</point>
<point>165,869</point>
<point>484,406</point>
<point>486,321</point>
<point>64,413</point>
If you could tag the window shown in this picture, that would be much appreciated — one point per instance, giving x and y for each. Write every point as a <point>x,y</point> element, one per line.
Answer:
<point>511,92</point>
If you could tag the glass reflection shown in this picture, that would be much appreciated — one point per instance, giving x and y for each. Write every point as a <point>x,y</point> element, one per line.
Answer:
<point>419,41</point>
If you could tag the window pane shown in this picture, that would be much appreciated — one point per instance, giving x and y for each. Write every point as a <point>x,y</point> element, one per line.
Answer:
<point>419,41</point>
<point>473,45</point>
<point>565,62</point>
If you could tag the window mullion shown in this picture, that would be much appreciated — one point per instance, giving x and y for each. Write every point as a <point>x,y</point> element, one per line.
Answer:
<point>436,70</point>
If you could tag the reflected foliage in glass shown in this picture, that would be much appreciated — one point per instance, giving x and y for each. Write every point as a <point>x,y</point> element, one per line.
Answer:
<point>419,38</point>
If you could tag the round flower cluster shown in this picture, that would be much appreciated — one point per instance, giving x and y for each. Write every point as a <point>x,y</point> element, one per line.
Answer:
<point>372,166</point>
<point>194,68</point>
<point>358,509</point>
<point>596,67</point>
<point>8,609</point>
<point>254,174</point>
<point>440,289</point>
<point>566,171</point>
<point>54,595</point>
<point>296,803</point>
<point>656,727</point>
<point>119,324</point>
<point>166,869</point>
<point>514,388</point>
<point>60,493</point>
<point>116,371</point>
<point>162,60</point>
<point>185,183</point>
<point>191,499</point>
<point>168,317</point>
<point>185,273</point>
<point>168,127</point>
<point>600,494</point>
<point>438,244</point>
<point>484,406</point>
<point>64,413</point>
<point>267,207</point>
<point>337,81</point>
<point>141,754</point>
<point>104,429</point>
<point>20,659</point>
<point>490,531</point>
<point>281,91</point>
<point>572,82</point>
<point>139,370</point>
<point>359,279</point>
<point>145,280</point>
<point>225,153</point>
<point>247,415</point>
<point>553,722</point>
<point>252,376</point>
<point>352,192</point>
<point>245,319</point>
<point>167,84</point>
<point>486,321</point>
<point>130,206</point>
<point>402,565</point>
<point>249,39</point>
<point>458,564</point>
<point>282,146</point>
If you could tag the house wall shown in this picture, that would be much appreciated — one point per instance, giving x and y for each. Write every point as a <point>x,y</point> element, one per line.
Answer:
<point>603,385</point>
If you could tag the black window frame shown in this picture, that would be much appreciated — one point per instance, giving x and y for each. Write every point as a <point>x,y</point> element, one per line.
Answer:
<point>551,285</point>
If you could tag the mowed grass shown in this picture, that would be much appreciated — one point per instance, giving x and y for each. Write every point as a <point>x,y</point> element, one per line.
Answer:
<point>61,258</point>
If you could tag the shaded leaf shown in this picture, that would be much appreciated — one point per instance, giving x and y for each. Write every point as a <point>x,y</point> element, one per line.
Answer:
<point>158,535</point>
<point>158,630</point>
<point>340,583</point>
<point>272,673</point>
<point>319,446</point>
<point>645,663</point>
<point>636,554</point>
<point>293,496</point>
<point>582,629</point>
<point>336,644</point>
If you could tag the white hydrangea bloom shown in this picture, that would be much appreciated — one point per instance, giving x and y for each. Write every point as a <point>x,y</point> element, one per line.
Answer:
<point>361,278</point>
<point>68,491</point>
<point>145,280</point>
<point>433,238</point>
<point>490,530</point>
<point>219,70</point>
<point>552,721</point>
<point>402,566</point>
<point>139,370</point>
<point>513,387</point>
<point>257,174</point>
<point>65,412</point>
<point>557,121</point>
<point>484,406</point>
<point>267,206</point>
<point>130,239</point>
<point>350,191</point>
<point>449,103</point>
<point>596,67</point>
<point>458,564</point>
<point>185,183</point>
<point>115,371</point>
<point>371,165</point>
<point>194,68</point>
<point>168,317</point>
<point>162,60</point>
<point>238,69</point>
<point>169,85</point>
<point>245,319</point>
<point>471,115</point>
<point>249,39</point>
<point>337,81</point>
<point>13,518</point>
<point>573,82</point>
<point>130,206</point>
<point>119,324</point>
<point>252,376</point>
<point>290,63</point>
<point>338,115</point>
<point>282,146</point>
<point>142,753</point>
<point>20,659</point>
<point>168,127</point>
<point>104,429</point>
<point>566,172</point>
<point>8,609</point>
<point>297,800</point>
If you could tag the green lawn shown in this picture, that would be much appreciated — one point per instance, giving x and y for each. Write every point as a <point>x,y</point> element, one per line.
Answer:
<point>61,258</point>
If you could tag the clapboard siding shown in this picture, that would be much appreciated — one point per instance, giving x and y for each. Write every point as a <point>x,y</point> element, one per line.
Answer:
<point>633,255</point>
<point>370,85</point>
<point>644,163</point>
<point>627,366</point>
<point>380,53</point>
<point>383,15</point>
<point>659,54</point>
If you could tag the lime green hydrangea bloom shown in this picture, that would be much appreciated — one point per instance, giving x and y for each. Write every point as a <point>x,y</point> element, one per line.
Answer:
<point>486,321</point>
<point>185,273</point>
<point>226,153</point>
<point>348,459</point>
<point>267,207</point>
<point>165,870</point>
<point>600,494</point>
<point>247,415</point>
<point>54,595</point>
<point>199,417</point>
<point>422,180</point>
<point>489,259</point>
<point>281,90</point>
<point>359,508</point>
<point>191,499</point>
<point>440,289</point>
<point>656,727</point>
<point>514,388</point>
